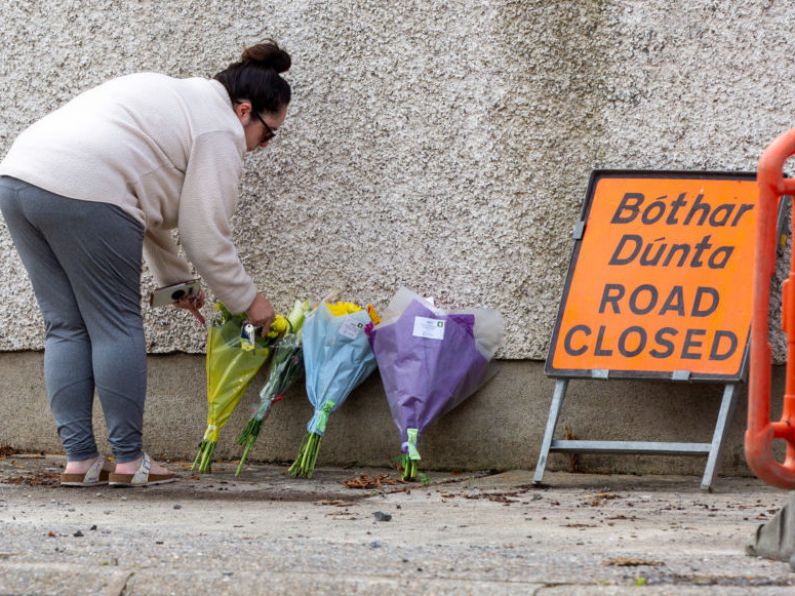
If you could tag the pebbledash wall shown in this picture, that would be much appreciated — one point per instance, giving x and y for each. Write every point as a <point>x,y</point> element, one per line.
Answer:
<point>442,145</point>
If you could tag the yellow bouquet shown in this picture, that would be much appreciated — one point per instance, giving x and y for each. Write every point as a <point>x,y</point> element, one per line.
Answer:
<point>235,353</point>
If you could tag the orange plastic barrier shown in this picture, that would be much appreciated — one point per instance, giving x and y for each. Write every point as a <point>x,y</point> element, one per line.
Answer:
<point>761,431</point>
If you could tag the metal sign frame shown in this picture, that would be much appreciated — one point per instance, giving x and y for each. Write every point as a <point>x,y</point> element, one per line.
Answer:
<point>711,449</point>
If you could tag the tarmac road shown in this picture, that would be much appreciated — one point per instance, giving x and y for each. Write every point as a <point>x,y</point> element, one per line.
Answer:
<point>496,534</point>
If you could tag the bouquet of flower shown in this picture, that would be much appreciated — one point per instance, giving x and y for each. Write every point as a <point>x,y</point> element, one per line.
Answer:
<point>430,361</point>
<point>286,366</point>
<point>337,357</point>
<point>235,352</point>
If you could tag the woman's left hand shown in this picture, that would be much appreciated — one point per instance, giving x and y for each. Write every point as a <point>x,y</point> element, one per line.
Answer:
<point>193,304</point>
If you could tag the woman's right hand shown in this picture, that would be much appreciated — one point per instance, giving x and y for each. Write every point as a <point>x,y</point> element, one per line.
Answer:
<point>193,304</point>
<point>261,312</point>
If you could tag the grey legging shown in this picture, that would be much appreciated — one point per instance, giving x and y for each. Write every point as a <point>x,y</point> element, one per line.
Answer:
<point>84,261</point>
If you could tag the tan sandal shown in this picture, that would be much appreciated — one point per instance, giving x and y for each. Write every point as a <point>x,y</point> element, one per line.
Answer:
<point>94,476</point>
<point>142,477</point>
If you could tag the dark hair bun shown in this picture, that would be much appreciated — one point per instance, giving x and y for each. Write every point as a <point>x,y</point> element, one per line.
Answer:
<point>267,54</point>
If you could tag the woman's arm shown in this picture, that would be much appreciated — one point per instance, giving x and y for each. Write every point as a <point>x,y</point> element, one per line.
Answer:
<point>208,199</point>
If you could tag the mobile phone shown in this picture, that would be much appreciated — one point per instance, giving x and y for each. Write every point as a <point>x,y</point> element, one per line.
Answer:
<point>168,295</point>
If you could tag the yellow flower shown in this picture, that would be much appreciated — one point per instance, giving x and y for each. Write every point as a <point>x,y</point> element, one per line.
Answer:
<point>339,309</point>
<point>373,314</point>
<point>279,326</point>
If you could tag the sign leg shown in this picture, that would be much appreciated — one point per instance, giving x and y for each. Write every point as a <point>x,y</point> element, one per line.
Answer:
<point>549,433</point>
<point>724,417</point>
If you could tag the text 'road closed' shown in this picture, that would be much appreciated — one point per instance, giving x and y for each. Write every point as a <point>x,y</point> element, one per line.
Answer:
<point>661,279</point>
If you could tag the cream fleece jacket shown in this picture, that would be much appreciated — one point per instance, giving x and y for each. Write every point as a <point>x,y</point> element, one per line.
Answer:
<point>167,151</point>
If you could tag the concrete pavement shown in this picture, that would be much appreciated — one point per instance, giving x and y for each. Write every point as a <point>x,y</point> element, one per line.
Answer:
<point>462,533</point>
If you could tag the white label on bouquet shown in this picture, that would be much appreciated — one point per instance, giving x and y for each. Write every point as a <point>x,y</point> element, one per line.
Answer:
<point>350,329</point>
<point>430,328</point>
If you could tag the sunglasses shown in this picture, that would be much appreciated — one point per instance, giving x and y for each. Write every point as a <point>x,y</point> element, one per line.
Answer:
<point>269,132</point>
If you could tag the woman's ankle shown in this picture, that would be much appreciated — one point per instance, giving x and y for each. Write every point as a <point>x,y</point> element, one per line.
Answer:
<point>129,467</point>
<point>132,467</point>
<point>80,466</point>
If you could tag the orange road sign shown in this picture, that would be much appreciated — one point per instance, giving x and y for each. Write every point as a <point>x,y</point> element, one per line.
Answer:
<point>659,284</point>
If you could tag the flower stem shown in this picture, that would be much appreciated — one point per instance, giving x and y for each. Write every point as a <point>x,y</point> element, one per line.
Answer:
<point>296,467</point>
<point>409,472</point>
<point>247,438</point>
<point>204,457</point>
<point>246,450</point>
<point>304,464</point>
<point>198,457</point>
